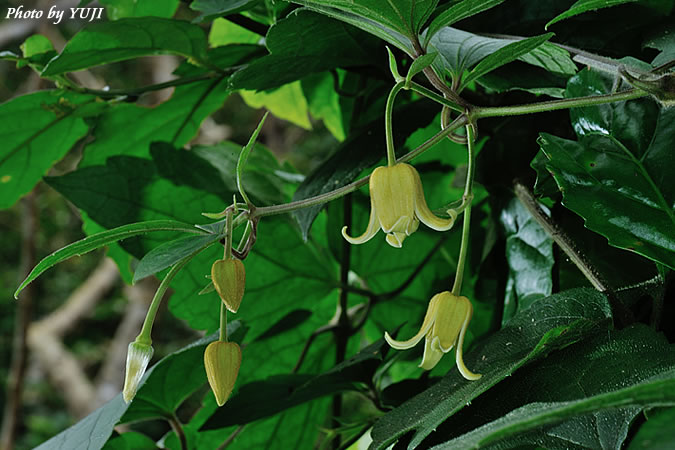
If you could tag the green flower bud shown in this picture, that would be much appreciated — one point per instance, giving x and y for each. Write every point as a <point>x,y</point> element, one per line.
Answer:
<point>229,279</point>
<point>222,361</point>
<point>138,357</point>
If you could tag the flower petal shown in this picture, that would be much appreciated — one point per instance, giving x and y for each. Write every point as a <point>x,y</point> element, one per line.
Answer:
<point>425,215</point>
<point>395,239</point>
<point>450,317</point>
<point>429,319</point>
<point>432,353</point>
<point>466,373</point>
<point>371,230</point>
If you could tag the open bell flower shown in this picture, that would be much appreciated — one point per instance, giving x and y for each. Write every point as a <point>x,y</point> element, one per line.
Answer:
<point>444,327</point>
<point>397,206</point>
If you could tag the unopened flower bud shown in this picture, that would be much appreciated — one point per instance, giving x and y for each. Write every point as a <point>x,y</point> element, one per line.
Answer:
<point>222,361</point>
<point>229,278</point>
<point>138,357</point>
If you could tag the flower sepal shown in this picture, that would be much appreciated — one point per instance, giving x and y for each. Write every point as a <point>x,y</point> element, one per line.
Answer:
<point>138,357</point>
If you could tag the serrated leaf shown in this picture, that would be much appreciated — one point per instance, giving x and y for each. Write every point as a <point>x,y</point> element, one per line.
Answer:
<point>550,323</point>
<point>605,365</point>
<point>457,12</point>
<point>37,131</point>
<point>104,238</point>
<point>529,252</point>
<point>505,55</point>
<point>582,6</point>
<point>108,42</point>
<point>169,253</point>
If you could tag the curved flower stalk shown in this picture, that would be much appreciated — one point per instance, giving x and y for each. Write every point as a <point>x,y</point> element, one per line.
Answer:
<point>444,326</point>
<point>397,206</point>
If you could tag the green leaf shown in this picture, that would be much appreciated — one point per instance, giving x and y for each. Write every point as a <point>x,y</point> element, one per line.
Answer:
<point>637,216</point>
<point>285,102</point>
<point>527,418</point>
<point>656,433</point>
<point>108,42</point>
<point>224,32</point>
<point>272,395</point>
<point>505,55</point>
<point>31,124</point>
<point>324,102</point>
<point>130,440</point>
<point>220,8</point>
<point>419,64</point>
<point>529,252</point>
<point>176,121</point>
<point>457,12</point>
<point>35,45</point>
<point>243,158</point>
<point>361,150</point>
<point>402,16</point>
<point>663,40</point>
<point>299,44</point>
<point>99,240</point>
<point>582,6</point>
<point>119,9</point>
<point>169,253</point>
<point>460,50</point>
<point>550,323</point>
<point>585,372</point>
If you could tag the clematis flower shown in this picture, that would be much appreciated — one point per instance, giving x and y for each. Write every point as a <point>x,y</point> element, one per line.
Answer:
<point>222,361</point>
<point>138,357</point>
<point>444,326</point>
<point>397,206</point>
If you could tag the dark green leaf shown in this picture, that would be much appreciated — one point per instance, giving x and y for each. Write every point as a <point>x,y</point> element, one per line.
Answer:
<point>457,12</point>
<point>529,252</point>
<point>99,240</point>
<point>361,150</point>
<point>657,433</point>
<point>131,440</point>
<point>298,45</point>
<point>118,9</point>
<point>108,42</point>
<point>275,394</point>
<point>527,418</point>
<point>550,323</point>
<point>505,55</point>
<point>37,131</point>
<point>169,253</point>
<point>606,364</point>
<point>582,6</point>
<point>220,8</point>
<point>403,16</point>
<point>663,40</point>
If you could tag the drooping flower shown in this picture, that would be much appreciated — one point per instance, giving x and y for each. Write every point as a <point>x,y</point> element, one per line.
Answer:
<point>397,206</point>
<point>222,361</point>
<point>444,327</point>
<point>138,357</point>
<point>229,279</point>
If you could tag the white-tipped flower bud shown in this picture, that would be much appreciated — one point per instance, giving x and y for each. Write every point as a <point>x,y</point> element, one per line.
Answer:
<point>138,357</point>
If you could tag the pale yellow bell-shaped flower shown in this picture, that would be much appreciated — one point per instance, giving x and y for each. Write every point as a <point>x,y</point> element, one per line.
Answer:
<point>138,357</point>
<point>444,326</point>
<point>397,206</point>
